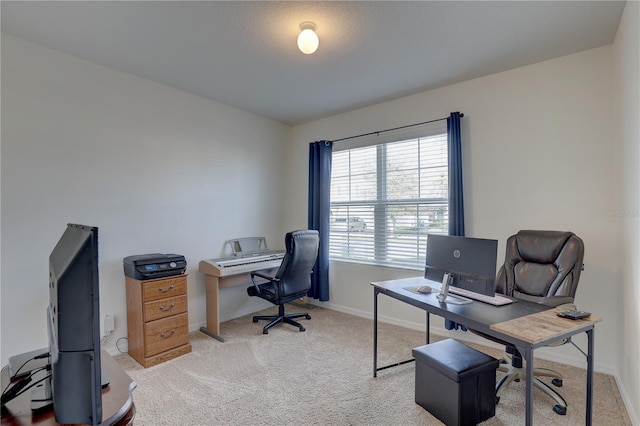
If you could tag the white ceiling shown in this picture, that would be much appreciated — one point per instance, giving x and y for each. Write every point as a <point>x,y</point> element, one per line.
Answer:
<point>244,54</point>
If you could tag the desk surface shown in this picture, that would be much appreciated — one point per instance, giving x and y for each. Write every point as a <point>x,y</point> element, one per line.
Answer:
<point>117,400</point>
<point>536,328</point>
<point>527,322</point>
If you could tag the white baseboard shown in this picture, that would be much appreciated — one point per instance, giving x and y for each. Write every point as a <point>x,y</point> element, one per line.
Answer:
<point>634,416</point>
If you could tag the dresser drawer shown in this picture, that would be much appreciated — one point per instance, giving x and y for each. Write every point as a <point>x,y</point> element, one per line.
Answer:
<point>165,307</point>
<point>165,334</point>
<point>165,287</point>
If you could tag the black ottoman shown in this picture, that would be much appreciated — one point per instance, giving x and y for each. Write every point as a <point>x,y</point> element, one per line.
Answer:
<point>455,383</point>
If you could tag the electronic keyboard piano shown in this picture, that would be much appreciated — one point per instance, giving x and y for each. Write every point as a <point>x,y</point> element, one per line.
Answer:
<point>240,265</point>
<point>234,271</point>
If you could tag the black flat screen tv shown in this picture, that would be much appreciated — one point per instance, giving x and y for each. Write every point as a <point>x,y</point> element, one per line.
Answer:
<point>74,326</point>
<point>470,262</point>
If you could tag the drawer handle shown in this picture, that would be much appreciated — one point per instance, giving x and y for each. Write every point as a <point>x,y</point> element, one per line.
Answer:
<point>165,309</point>
<point>169,334</point>
<point>162,290</point>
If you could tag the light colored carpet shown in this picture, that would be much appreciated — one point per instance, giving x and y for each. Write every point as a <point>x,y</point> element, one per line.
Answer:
<point>324,377</point>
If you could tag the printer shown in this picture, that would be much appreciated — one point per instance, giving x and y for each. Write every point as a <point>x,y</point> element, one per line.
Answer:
<point>154,265</point>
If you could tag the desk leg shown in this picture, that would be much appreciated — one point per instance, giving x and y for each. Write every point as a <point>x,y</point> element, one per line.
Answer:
<point>375,339</point>
<point>213,309</point>
<point>375,332</point>
<point>428,328</point>
<point>589,376</point>
<point>528,356</point>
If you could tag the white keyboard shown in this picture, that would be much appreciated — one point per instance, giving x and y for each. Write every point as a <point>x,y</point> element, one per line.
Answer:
<point>496,300</point>
<point>235,266</point>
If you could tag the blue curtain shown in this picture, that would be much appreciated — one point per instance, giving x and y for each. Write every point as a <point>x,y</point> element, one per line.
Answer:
<point>319,214</point>
<point>456,204</point>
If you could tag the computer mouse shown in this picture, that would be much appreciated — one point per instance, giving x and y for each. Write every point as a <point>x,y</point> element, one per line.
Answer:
<point>424,289</point>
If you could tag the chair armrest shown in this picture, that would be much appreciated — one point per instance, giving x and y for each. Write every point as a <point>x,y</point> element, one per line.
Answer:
<point>266,277</point>
<point>261,275</point>
<point>557,301</point>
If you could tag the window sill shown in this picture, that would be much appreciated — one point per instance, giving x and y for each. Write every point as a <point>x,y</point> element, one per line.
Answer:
<point>379,265</point>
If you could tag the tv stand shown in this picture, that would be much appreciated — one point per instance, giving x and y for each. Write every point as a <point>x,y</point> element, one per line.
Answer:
<point>41,396</point>
<point>117,400</point>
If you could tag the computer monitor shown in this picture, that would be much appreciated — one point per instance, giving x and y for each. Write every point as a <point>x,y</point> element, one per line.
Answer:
<point>470,262</point>
<point>74,384</point>
<point>74,326</point>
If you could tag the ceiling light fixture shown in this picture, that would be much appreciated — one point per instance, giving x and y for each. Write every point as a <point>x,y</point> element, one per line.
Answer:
<point>308,39</point>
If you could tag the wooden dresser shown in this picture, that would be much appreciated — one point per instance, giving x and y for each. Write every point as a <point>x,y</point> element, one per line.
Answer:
<point>157,319</point>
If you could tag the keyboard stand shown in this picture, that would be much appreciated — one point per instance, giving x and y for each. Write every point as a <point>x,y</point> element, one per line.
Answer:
<point>457,300</point>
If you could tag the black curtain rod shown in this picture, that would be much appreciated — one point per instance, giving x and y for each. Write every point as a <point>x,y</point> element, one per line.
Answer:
<point>390,130</point>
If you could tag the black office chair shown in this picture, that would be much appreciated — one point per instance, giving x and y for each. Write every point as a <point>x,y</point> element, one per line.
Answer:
<point>542,267</point>
<point>292,280</point>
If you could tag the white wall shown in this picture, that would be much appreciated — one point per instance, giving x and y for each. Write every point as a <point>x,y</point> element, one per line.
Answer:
<point>539,154</point>
<point>627,66</point>
<point>156,169</point>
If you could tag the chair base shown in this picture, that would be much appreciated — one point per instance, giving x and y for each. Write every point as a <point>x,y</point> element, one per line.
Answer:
<point>518,372</point>
<point>281,317</point>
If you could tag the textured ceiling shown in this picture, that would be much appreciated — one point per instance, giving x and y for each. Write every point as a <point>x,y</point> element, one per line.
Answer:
<point>244,54</point>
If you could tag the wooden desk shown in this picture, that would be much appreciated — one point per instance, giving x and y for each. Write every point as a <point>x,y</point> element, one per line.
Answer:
<point>524,324</point>
<point>117,401</point>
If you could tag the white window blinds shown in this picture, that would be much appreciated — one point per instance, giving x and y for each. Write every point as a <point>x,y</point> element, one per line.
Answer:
<point>386,198</point>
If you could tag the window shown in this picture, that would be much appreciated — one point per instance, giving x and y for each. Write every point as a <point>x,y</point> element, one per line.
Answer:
<point>386,198</point>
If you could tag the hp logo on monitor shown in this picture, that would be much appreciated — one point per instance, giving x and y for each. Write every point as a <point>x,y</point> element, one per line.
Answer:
<point>456,253</point>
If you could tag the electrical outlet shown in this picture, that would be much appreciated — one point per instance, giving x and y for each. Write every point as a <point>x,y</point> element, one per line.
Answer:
<point>109,323</point>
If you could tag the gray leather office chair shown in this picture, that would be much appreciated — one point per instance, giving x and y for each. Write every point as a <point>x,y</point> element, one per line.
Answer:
<point>292,280</point>
<point>542,267</point>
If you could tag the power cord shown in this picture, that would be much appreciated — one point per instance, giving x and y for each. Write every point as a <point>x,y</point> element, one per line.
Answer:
<point>17,376</point>
<point>106,338</point>
<point>20,386</point>
<point>20,381</point>
<point>118,341</point>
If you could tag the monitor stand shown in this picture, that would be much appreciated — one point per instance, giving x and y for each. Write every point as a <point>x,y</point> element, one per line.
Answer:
<point>444,297</point>
<point>41,396</point>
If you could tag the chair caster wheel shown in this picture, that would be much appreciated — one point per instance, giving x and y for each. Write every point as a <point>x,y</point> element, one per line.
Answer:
<point>308,316</point>
<point>265,331</point>
<point>560,410</point>
<point>255,320</point>
<point>302,329</point>
<point>517,380</point>
<point>557,382</point>
<point>497,399</point>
